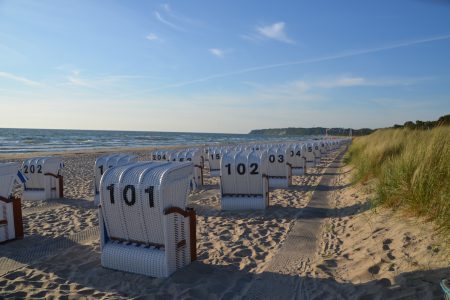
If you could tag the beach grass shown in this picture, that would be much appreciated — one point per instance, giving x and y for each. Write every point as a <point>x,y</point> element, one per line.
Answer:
<point>411,169</point>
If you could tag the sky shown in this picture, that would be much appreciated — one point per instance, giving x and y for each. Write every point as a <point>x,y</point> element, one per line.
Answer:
<point>222,66</point>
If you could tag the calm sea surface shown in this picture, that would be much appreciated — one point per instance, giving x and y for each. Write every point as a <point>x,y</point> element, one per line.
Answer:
<point>33,140</point>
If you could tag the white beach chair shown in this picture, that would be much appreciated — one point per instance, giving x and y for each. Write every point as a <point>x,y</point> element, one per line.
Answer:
<point>297,155</point>
<point>145,226</point>
<point>214,156</point>
<point>45,180</point>
<point>317,153</point>
<point>279,168</point>
<point>105,162</point>
<point>11,226</point>
<point>162,154</point>
<point>244,181</point>
<point>195,157</point>
<point>309,156</point>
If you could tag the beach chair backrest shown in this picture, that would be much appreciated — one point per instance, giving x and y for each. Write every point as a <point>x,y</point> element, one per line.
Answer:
<point>8,173</point>
<point>242,172</point>
<point>108,161</point>
<point>35,170</point>
<point>133,198</point>
<point>215,154</point>
<point>278,157</point>
<point>316,149</point>
<point>296,154</point>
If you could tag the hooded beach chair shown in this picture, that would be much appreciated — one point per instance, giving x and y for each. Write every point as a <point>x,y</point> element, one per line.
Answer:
<point>214,156</point>
<point>11,226</point>
<point>162,154</point>
<point>279,169</point>
<point>243,180</point>
<point>145,226</point>
<point>195,157</point>
<point>44,178</point>
<point>298,159</point>
<point>309,156</point>
<point>105,162</point>
<point>317,153</point>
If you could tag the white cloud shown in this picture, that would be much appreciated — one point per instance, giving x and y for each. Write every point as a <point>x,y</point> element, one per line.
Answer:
<point>20,79</point>
<point>161,19</point>
<point>152,37</point>
<point>217,52</point>
<point>275,31</point>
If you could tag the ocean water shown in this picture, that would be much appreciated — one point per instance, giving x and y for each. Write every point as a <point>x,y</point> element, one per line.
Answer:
<point>55,140</point>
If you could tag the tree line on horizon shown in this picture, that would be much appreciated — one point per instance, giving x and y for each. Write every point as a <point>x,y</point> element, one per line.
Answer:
<point>419,125</point>
<point>425,125</point>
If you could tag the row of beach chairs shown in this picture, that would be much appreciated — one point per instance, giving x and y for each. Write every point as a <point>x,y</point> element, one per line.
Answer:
<point>146,226</point>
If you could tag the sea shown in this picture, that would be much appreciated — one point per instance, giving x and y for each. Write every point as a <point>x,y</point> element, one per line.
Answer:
<point>57,140</point>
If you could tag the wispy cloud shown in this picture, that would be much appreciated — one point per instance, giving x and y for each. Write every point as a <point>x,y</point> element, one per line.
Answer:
<point>275,31</point>
<point>20,79</point>
<point>152,37</point>
<point>161,19</point>
<point>341,55</point>
<point>217,52</point>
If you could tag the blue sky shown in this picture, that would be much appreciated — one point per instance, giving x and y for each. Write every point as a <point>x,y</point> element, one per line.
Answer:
<point>222,66</point>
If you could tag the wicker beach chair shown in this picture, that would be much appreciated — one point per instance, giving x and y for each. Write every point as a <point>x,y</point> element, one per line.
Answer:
<point>243,180</point>
<point>162,155</point>
<point>317,153</point>
<point>298,159</point>
<point>45,180</point>
<point>108,161</point>
<point>214,156</point>
<point>309,156</point>
<point>195,157</point>
<point>10,209</point>
<point>279,168</point>
<point>145,226</point>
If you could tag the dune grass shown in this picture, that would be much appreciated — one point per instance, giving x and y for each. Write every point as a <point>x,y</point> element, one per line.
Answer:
<point>411,168</point>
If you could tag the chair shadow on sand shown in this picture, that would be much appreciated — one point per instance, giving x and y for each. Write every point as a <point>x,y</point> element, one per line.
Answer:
<point>80,264</point>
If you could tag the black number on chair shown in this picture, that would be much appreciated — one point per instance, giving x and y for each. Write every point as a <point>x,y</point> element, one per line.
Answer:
<point>292,153</point>
<point>133,195</point>
<point>39,167</point>
<point>241,169</point>
<point>298,153</point>
<point>110,188</point>
<point>101,170</point>
<point>254,171</point>
<point>32,169</point>
<point>272,158</point>
<point>25,169</point>
<point>149,191</point>
<point>280,158</point>
<point>228,166</point>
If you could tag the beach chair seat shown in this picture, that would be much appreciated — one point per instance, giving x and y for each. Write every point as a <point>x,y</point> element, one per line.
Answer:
<point>145,226</point>
<point>11,226</point>
<point>243,180</point>
<point>279,168</point>
<point>298,159</point>
<point>44,178</point>
<point>105,162</point>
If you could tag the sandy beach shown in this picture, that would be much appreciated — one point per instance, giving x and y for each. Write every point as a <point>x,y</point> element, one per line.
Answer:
<point>360,253</point>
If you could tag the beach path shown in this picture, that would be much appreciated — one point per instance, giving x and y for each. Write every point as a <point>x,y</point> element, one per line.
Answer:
<point>281,279</point>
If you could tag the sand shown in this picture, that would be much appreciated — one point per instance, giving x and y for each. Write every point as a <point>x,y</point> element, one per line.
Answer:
<point>359,249</point>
